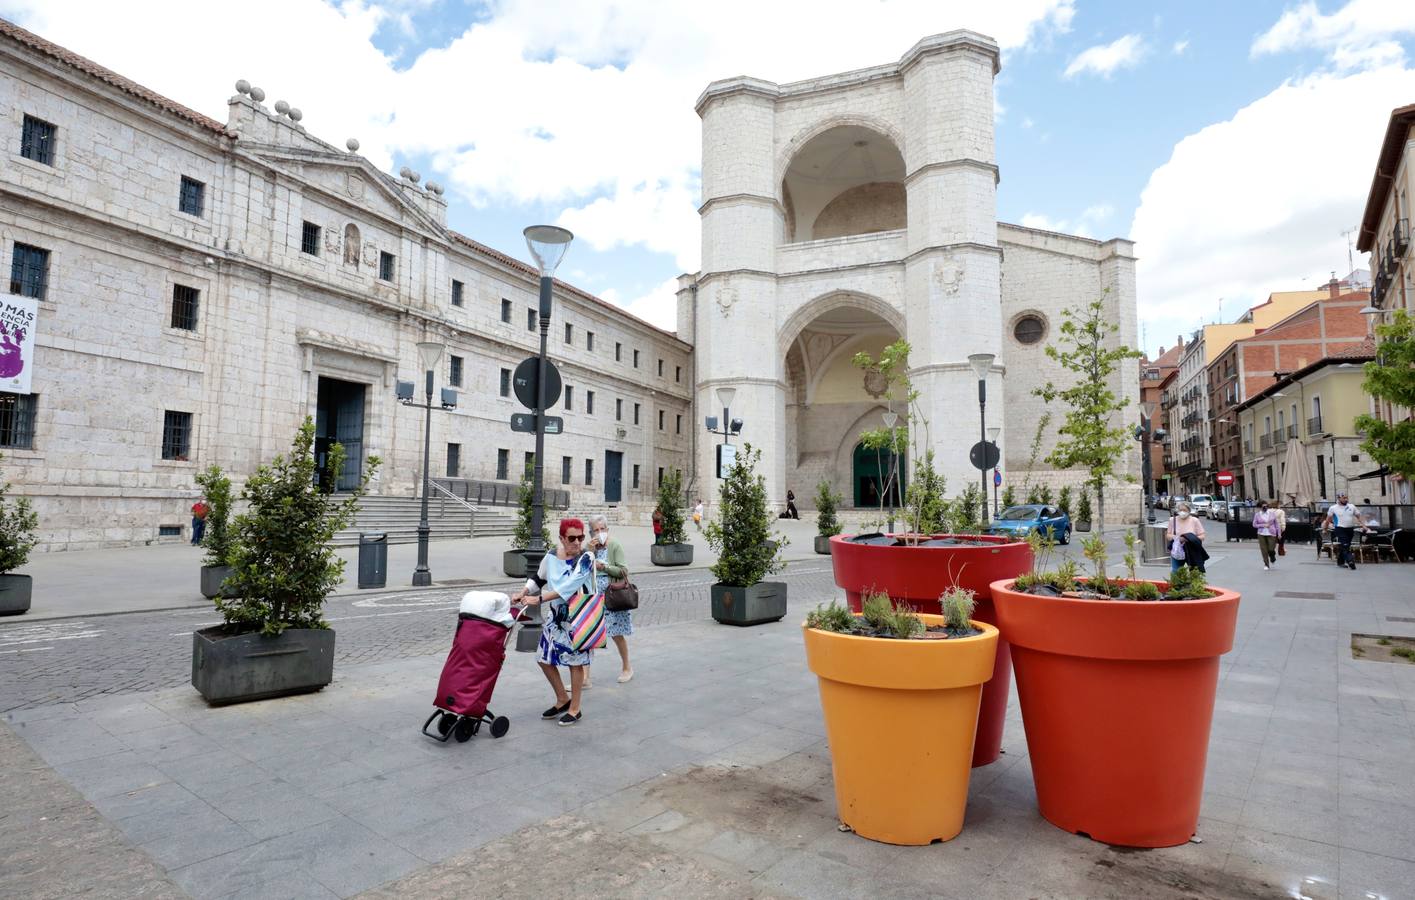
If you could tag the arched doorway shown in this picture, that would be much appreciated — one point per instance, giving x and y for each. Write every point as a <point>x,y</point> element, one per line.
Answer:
<point>869,472</point>
<point>844,181</point>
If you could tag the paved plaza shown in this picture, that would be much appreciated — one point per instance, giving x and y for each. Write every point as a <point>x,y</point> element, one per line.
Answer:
<point>707,775</point>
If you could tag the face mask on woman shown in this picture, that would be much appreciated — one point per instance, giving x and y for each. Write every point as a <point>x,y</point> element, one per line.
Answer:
<point>601,536</point>
<point>1184,514</point>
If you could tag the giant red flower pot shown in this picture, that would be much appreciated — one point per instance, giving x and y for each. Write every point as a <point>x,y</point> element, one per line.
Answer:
<point>917,574</point>
<point>1117,700</point>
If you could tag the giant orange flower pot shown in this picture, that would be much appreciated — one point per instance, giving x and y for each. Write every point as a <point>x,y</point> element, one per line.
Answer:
<point>918,574</point>
<point>886,700</point>
<point>1117,699</point>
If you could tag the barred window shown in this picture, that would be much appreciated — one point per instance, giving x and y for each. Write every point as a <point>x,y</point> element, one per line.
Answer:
<point>678,425</point>
<point>660,420</point>
<point>589,473</point>
<point>618,352</point>
<point>677,373</point>
<point>37,140</point>
<point>589,340</point>
<point>454,371</point>
<point>636,477</point>
<point>505,310</point>
<point>454,460</point>
<point>505,382</point>
<point>565,463</point>
<point>503,463</point>
<point>309,239</point>
<point>191,198</point>
<point>636,413</point>
<point>456,292</point>
<point>17,421</point>
<point>29,271</point>
<point>569,333</point>
<point>387,263</point>
<point>589,403</point>
<point>636,359</point>
<point>176,435</point>
<point>569,397</point>
<point>531,320</point>
<point>184,307</point>
<point>660,368</point>
<point>530,463</point>
<point>619,410</point>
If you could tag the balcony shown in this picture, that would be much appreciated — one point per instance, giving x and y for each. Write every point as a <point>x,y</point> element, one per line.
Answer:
<point>1279,437</point>
<point>1247,446</point>
<point>1266,442</point>
<point>1314,425</point>
<point>1400,236</point>
<point>1292,431</point>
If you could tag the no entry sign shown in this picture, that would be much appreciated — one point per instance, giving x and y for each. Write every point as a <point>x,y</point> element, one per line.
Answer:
<point>1225,478</point>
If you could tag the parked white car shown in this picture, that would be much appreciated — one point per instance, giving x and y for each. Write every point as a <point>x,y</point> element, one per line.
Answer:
<point>1199,504</point>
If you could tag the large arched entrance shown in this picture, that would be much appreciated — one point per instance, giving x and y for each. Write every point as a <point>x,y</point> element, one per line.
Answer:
<point>846,180</point>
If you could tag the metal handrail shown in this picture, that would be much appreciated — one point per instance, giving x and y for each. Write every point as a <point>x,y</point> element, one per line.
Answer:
<point>448,495</point>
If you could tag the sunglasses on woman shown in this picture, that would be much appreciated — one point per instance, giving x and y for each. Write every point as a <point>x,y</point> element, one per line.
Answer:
<point>574,537</point>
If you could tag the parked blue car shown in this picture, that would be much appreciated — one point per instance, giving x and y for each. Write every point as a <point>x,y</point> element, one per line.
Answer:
<point>1019,521</point>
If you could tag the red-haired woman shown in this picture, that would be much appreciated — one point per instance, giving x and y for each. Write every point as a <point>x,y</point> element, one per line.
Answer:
<point>558,568</point>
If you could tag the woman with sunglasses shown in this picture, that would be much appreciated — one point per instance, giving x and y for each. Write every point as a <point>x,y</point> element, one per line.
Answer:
<point>554,638</point>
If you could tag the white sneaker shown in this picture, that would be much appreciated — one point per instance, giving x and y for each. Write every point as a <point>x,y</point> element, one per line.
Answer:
<point>626,676</point>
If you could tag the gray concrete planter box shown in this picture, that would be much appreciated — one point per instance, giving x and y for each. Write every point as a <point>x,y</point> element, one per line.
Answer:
<point>1083,525</point>
<point>754,604</point>
<point>15,593</point>
<point>671,554</point>
<point>211,579</point>
<point>236,668</point>
<point>823,545</point>
<point>521,563</point>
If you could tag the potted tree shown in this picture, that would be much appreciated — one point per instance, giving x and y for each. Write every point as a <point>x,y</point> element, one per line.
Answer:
<point>746,549</point>
<point>1083,511</point>
<point>827,523</point>
<point>274,640</point>
<point>18,522</point>
<point>893,681</point>
<point>672,548</point>
<point>1063,499</point>
<point>517,562</point>
<point>1116,681</point>
<point>216,565</point>
<point>935,553</point>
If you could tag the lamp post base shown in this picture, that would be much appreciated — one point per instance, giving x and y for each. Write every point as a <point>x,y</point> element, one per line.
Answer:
<point>422,575</point>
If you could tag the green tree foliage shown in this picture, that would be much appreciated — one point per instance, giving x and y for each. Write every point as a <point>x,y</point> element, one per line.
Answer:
<point>1391,377</point>
<point>284,565</point>
<point>925,508</point>
<point>525,507</point>
<point>1063,500</point>
<point>1009,496</point>
<point>1083,507</point>
<point>747,550</point>
<point>1089,440</point>
<point>966,510</point>
<point>890,444</point>
<point>670,506</point>
<point>216,489</point>
<point>18,522</point>
<point>827,502</point>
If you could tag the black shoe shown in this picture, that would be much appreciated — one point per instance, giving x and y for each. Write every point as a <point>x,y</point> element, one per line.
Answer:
<point>568,719</point>
<point>555,711</point>
<point>1353,566</point>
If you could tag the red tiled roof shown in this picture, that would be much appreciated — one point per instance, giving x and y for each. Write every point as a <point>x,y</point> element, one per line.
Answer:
<point>89,67</point>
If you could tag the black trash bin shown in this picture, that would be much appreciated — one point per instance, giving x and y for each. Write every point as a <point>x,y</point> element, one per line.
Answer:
<point>373,560</point>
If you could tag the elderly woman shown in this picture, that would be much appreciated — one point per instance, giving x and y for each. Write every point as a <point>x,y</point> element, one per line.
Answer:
<point>555,647</point>
<point>1182,523</point>
<point>609,566</point>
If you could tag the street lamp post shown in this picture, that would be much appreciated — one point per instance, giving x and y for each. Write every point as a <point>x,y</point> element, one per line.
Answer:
<point>548,244</point>
<point>982,364</point>
<point>993,432</point>
<point>730,426</point>
<point>429,352</point>
<point>1147,414</point>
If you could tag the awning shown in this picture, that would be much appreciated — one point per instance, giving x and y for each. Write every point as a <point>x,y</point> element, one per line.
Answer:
<point>1382,472</point>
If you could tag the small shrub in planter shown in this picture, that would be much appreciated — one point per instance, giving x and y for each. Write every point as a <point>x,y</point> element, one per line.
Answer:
<point>747,550</point>
<point>1083,511</point>
<point>672,547</point>
<point>18,522</point>
<point>514,561</point>
<point>274,640</point>
<point>216,565</point>
<point>1009,496</point>
<point>1063,500</point>
<point>827,523</point>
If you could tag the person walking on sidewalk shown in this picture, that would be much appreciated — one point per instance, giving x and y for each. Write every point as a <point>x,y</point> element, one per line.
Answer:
<point>555,641</point>
<point>1344,518</point>
<point>698,514</point>
<point>1281,532</point>
<point>609,563</point>
<point>199,513</point>
<point>657,525</point>
<point>1266,524</point>
<point>1182,523</point>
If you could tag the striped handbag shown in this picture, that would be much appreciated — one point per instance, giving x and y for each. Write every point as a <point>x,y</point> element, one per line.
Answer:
<point>584,621</point>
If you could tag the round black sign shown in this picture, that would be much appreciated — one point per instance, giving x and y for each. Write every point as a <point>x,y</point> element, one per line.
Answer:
<point>984,455</point>
<point>524,382</point>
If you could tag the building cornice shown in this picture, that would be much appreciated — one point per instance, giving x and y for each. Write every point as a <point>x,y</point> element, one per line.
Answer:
<point>966,162</point>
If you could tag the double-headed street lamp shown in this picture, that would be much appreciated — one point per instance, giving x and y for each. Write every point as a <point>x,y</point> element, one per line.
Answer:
<point>730,426</point>
<point>429,352</point>
<point>1144,432</point>
<point>548,244</point>
<point>982,365</point>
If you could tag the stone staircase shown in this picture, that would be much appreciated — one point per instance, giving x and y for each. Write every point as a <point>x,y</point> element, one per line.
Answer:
<point>398,518</point>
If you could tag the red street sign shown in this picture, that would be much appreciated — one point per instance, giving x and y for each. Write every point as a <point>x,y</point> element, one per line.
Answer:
<point>1224,478</point>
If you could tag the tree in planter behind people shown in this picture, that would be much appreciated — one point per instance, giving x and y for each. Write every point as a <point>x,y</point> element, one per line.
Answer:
<point>827,522</point>
<point>925,508</point>
<point>1063,500</point>
<point>525,503</point>
<point>891,371</point>
<point>741,536</point>
<point>216,488</point>
<point>1089,440</point>
<point>670,506</point>
<point>284,565</point>
<point>1392,377</point>
<point>18,522</point>
<point>1083,510</point>
<point>1009,496</point>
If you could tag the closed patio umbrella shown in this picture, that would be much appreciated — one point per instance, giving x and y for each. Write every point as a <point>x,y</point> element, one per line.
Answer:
<point>1298,486</point>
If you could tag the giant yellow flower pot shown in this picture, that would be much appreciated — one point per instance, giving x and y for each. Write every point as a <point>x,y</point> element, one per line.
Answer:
<point>889,700</point>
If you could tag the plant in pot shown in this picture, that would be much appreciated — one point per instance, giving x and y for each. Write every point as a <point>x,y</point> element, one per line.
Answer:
<point>747,550</point>
<point>18,522</point>
<point>216,565</point>
<point>515,562</point>
<point>1009,496</point>
<point>827,523</point>
<point>1116,679</point>
<point>1063,499</point>
<point>1083,511</point>
<point>274,640</point>
<point>672,547</point>
<point>894,681</point>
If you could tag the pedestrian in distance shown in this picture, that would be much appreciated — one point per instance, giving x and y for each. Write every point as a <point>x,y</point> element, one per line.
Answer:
<point>1267,525</point>
<point>610,567</point>
<point>1344,518</point>
<point>1181,524</point>
<point>199,513</point>
<point>1281,531</point>
<point>657,525</point>
<point>555,650</point>
<point>698,514</point>
<point>791,511</point>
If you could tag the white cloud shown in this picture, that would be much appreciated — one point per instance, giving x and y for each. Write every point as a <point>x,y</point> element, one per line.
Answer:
<point>657,307</point>
<point>1087,224</point>
<point>1359,35</point>
<point>1180,46</point>
<point>583,107</point>
<point>1104,59</point>
<point>1258,203</point>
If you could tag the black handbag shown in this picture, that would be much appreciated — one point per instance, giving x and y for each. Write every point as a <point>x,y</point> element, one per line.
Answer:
<point>621,596</point>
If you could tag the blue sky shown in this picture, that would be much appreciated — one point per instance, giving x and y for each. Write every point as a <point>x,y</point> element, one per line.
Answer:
<point>1233,141</point>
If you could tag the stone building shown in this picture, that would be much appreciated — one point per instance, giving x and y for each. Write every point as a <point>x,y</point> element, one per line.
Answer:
<point>843,212</point>
<point>1154,374</point>
<point>204,286</point>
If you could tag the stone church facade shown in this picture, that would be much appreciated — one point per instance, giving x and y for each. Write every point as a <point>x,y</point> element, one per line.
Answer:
<point>844,212</point>
<point>204,286</point>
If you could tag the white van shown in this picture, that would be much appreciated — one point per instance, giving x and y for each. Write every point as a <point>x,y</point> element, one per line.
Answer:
<point>1199,504</point>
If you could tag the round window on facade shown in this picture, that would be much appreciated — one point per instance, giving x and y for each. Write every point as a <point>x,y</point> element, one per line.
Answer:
<point>1029,329</point>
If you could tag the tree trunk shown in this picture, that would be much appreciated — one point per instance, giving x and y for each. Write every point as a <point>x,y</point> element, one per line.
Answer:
<point>1100,509</point>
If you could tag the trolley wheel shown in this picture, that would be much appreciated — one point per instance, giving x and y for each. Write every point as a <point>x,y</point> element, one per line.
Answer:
<point>465,729</point>
<point>445,723</point>
<point>499,726</point>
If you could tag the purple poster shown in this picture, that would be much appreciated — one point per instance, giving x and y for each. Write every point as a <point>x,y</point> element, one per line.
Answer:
<point>17,318</point>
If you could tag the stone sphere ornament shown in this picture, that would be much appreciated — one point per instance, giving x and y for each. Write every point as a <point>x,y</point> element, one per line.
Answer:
<point>352,144</point>
<point>257,94</point>
<point>282,107</point>
<point>295,115</point>
<point>243,86</point>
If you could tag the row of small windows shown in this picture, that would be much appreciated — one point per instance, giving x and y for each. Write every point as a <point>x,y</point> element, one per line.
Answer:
<point>17,427</point>
<point>569,395</point>
<point>29,277</point>
<point>567,467</point>
<point>533,322</point>
<point>387,263</point>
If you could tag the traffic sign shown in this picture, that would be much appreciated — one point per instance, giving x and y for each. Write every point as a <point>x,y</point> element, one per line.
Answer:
<point>1224,478</point>
<point>525,381</point>
<point>996,478</point>
<point>526,422</point>
<point>985,455</point>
